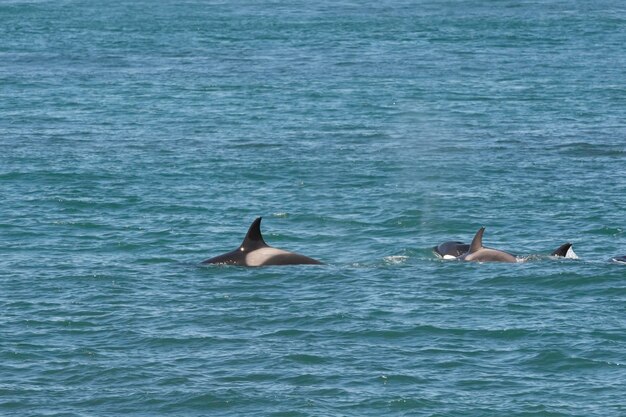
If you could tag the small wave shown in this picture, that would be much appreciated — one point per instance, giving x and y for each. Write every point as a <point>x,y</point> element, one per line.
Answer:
<point>561,360</point>
<point>607,231</point>
<point>591,150</point>
<point>305,359</point>
<point>156,260</point>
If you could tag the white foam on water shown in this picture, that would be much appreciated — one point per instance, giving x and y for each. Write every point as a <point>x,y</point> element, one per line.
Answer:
<point>394,260</point>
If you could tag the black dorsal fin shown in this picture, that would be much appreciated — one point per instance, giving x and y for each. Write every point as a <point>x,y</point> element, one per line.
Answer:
<point>562,250</point>
<point>253,239</point>
<point>477,242</point>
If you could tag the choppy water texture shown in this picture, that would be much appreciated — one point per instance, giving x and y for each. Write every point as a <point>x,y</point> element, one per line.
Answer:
<point>138,138</point>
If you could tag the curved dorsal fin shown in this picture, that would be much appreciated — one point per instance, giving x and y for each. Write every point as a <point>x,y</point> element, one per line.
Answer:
<point>253,239</point>
<point>562,250</point>
<point>477,242</point>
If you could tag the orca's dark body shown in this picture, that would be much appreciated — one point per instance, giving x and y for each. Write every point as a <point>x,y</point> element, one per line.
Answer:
<point>253,251</point>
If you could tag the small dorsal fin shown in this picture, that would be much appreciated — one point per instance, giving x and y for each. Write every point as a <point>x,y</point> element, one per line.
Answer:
<point>477,242</point>
<point>562,250</point>
<point>253,239</point>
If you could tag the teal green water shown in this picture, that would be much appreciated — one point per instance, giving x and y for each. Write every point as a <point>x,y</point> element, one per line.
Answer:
<point>139,138</point>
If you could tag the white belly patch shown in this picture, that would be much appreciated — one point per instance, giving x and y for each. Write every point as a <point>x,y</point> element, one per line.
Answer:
<point>260,257</point>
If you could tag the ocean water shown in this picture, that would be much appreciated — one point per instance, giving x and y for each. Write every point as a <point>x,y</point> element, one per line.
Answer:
<point>139,138</point>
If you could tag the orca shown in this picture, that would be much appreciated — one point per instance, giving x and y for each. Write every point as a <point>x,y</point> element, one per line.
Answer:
<point>478,253</point>
<point>619,259</point>
<point>451,249</point>
<point>566,250</point>
<point>460,251</point>
<point>253,251</point>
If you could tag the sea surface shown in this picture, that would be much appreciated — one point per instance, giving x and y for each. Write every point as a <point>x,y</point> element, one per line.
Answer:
<point>138,138</point>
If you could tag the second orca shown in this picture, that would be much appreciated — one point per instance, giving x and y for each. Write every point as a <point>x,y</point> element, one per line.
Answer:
<point>476,252</point>
<point>253,251</point>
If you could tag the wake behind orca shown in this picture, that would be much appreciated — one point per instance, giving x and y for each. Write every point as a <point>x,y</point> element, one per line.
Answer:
<point>253,251</point>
